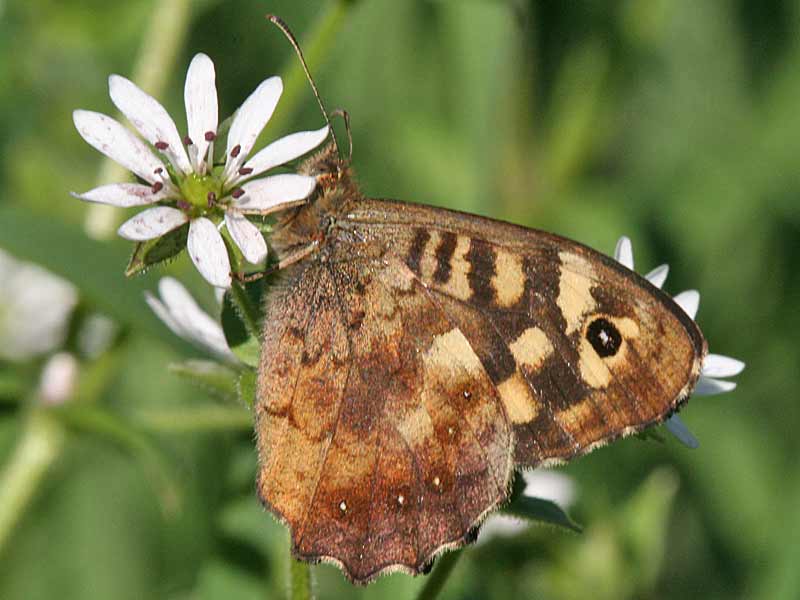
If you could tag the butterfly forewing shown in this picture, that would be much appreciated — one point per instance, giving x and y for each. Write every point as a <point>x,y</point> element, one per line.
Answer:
<point>581,349</point>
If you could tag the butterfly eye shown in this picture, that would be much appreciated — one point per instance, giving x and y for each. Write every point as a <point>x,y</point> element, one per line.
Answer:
<point>604,337</point>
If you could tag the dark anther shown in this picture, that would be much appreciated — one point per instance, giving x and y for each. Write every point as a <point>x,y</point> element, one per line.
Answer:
<point>187,141</point>
<point>156,187</point>
<point>183,205</point>
<point>604,337</point>
<point>161,146</point>
<point>210,136</point>
<point>159,171</point>
<point>235,152</point>
<point>245,171</point>
<point>212,198</point>
<point>237,193</point>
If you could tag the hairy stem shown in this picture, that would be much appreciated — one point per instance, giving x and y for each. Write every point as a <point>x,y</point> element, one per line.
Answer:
<point>436,580</point>
<point>301,580</point>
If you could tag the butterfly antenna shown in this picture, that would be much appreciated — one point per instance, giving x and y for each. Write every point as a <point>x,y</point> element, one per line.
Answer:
<point>281,24</point>
<point>340,112</point>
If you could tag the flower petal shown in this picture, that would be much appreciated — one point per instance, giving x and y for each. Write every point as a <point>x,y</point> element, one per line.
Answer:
<point>149,118</point>
<point>717,365</point>
<point>550,485</point>
<point>677,428</point>
<point>202,112</point>
<point>658,275</point>
<point>623,253</point>
<point>284,150</point>
<point>247,237</point>
<point>208,252</point>
<point>689,301</point>
<point>162,312</point>
<point>189,320</point>
<point>248,122</point>
<point>152,223</point>
<point>112,139</point>
<point>270,193</point>
<point>708,386</point>
<point>123,195</point>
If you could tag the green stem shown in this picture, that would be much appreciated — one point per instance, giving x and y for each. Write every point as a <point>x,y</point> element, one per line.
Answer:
<point>436,580</point>
<point>169,22</point>
<point>40,443</point>
<point>301,580</point>
<point>247,309</point>
<point>195,420</point>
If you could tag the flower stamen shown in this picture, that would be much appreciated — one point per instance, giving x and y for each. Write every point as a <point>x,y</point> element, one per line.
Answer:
<point>161,146</point>
<point>235,151</point>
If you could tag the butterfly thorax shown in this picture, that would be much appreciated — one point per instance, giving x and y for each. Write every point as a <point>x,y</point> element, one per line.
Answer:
<point>314,221</point>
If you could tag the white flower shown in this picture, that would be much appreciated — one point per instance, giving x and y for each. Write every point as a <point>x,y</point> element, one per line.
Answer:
<point>715,366</point>
<point>186,319</point>
<point>540,483</point>
<point>58,379</point>
<point>35,307</point>
<point>180,177</point>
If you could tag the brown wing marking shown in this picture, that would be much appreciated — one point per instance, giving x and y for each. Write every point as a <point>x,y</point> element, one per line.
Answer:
<point>419,449</point>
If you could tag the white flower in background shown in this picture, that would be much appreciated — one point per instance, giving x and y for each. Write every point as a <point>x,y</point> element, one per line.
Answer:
<point>35,307</point>
<point>182,182</point>
<point>539,483</point>
<point>58,379</point>
<point>715,366</point>
<point>186,319</point>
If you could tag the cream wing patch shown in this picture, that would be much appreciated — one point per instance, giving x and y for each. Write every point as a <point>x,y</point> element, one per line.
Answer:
<point>531,348</point>
<point>574,289</point>
<point>520,405</point>
<point>508,281</point>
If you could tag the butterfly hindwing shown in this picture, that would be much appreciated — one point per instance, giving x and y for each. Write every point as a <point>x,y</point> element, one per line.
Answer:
<point>382,440</point>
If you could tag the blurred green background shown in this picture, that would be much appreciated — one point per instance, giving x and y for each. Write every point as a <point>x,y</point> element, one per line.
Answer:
<point>674,122</point>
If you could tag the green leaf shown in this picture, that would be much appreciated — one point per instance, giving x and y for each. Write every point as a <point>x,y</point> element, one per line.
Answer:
<point>240,315</point>
<point>159,250</point>
<point>543,511</point>
<point>209,375</point>
<point>247,387</point>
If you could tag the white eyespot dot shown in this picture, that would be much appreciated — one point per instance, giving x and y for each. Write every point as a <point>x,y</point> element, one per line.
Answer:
<point>401,499</point>
<point>436,481</point>
<point>450,431</point>
<point>343,506</point>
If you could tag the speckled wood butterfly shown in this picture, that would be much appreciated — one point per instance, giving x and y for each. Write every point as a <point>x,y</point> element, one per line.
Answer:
<point>414,357</point>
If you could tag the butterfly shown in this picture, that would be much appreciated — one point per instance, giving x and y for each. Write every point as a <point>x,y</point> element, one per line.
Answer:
<point>413,357</point>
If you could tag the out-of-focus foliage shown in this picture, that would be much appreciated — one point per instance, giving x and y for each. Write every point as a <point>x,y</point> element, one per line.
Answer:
<point>674,122</point>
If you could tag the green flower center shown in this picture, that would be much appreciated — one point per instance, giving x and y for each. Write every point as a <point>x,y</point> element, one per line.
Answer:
<point>201,191</point>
